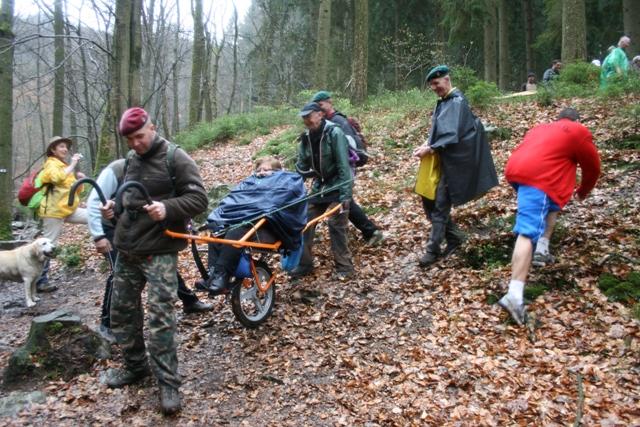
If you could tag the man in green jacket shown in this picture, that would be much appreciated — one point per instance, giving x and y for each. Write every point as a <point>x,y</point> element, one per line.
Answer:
<point>147,255</point>
<point>324,156</point>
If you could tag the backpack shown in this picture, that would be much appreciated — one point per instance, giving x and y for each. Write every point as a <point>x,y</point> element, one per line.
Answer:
<point>30,187</point>
<point>361,142</point>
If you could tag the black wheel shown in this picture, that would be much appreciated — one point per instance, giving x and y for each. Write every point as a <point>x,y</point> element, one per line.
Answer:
<point>250,306</point>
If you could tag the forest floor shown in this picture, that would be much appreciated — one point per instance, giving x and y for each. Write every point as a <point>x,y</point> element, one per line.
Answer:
<point>397,345</point>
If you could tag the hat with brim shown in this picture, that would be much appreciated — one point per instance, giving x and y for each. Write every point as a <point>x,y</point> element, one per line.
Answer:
<point>531,75</point>
<point>437,72</point>
<point>309,108</point>
<point>53,143</point>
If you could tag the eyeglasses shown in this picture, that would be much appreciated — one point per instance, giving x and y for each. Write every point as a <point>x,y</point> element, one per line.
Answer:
<point>264,170</point>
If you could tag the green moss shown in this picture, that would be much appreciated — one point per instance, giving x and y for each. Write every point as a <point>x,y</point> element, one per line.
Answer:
<point>488,255</point>
<point>55,328</point>
<point>623,292</point>
<point>532,292</point>
<point>492,299</point>
<point>607,281</point>
<point>634,277</point>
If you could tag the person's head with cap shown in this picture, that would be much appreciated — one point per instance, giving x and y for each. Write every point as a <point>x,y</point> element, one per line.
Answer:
<point>439,80</point>
<point>323,98</point>
<point>311,115</point>
<point>59,147</point>
<point>531,77</point>
<point>569,113</point>
<point>636,61</point>
<point>136,127</point>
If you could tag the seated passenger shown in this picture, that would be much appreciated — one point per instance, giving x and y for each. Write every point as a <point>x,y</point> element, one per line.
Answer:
<point>269,192</point>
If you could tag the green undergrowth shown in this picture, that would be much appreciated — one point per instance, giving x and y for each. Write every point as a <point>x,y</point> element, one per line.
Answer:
<point>71,255</point>
<point>621,289</point>
<point>243,126</point>
<point>490,254</point>
<point>387,110</point>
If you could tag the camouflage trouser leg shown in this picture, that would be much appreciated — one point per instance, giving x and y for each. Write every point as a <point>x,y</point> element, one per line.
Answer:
<point>127,316</point>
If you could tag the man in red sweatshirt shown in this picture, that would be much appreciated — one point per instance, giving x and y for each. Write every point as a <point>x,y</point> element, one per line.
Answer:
<point>542,169</point>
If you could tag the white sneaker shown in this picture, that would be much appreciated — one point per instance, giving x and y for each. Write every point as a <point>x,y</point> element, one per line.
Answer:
<point>540,260</point>
<point>515,310</point>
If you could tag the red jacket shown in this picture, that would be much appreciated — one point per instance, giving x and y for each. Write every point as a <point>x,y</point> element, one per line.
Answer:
<point>548,156</point>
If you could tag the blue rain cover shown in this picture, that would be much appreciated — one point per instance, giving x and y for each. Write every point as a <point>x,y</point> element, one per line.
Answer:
<point>255,198</point>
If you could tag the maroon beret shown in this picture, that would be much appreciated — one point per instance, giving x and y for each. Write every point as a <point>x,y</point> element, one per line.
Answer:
<point>132,120</point>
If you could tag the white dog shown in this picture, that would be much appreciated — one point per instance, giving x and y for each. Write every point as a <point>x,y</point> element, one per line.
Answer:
<point>25,264</point>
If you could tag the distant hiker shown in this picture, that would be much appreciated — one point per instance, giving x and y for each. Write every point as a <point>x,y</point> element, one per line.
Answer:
<point>616,62</point>
<point>456,164</point>
<point>542,170</point>
<point>147,255</point>
<point>370,232</point>
<point>636,63</point>
<point>530,84</point>
<point>54,209</point>
<point>103,232</point>
<point>552,72</point>
<point>324,156</point>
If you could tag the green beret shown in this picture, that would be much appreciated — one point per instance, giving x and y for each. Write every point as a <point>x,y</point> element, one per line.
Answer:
<point>321,96</point>
<point>439,71</point>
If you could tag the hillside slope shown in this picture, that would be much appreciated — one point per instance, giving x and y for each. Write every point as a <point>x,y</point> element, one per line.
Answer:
<point>399,345</point>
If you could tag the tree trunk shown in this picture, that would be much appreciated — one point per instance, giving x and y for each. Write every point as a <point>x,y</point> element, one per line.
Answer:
<point>235,58</point>
<point>63,344</point>
<point>125,86</point>
<point>58,88</point>
<point>440,31</point>
<point>360,65</point>
<point>322,47</point>
<point>6,117</point>
<point>490,42</point>
<point>503,43</point>
<point>148,80</point>
<point>396,37</point>
<point>574,31</point>
<point>175,125</point>
<point>631,17</point>
<point>528,34</point>
<point>218,47</point>
<point>195,114</point>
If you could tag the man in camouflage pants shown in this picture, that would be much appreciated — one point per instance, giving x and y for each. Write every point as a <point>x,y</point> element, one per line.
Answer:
<point>147,255</point>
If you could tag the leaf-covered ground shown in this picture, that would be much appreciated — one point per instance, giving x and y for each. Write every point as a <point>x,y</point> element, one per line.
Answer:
<point>398,345</point>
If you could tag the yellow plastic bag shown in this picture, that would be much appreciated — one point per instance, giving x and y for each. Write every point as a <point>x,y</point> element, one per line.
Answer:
<point>428,176</point>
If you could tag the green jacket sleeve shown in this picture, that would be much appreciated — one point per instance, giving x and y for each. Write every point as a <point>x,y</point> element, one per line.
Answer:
<point>345,177</point>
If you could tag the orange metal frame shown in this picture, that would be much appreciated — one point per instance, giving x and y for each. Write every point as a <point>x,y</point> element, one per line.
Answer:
<point>244,242</point>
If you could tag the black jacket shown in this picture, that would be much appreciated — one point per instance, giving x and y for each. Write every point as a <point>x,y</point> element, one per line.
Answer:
<point>459,137</point>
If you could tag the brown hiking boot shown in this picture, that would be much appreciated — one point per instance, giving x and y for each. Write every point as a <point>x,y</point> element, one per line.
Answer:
<point>169,400</point>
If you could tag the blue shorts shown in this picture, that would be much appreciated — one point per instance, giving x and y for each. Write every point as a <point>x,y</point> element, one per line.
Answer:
<point>533,207</point>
